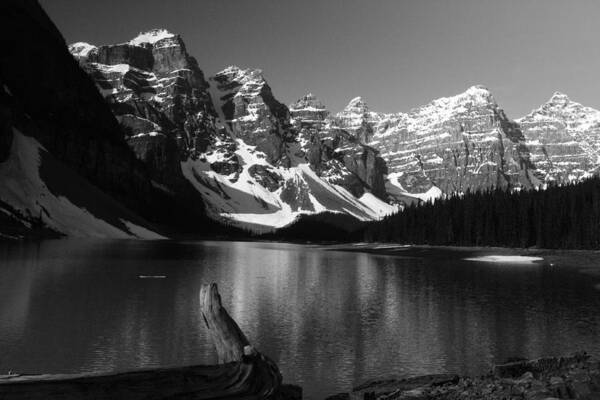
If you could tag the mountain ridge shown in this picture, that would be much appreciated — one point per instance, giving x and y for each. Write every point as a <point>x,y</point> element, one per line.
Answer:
<point>236,143</point>
<point>450,145</point>
<point>226,144</point>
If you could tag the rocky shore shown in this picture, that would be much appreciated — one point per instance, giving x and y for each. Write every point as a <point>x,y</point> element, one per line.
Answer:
<point>574,377</point>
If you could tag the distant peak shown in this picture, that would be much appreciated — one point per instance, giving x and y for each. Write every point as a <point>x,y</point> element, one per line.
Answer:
<point>309,97</point>
<point>242,75</point>
<point>81,44</point>
<point>474,96</point>
<point>308,100</point>
<point>478,88</point>
<point>230,69</point>
<point>559,97</point>
<point>480,94</point>
<point>152,36</point>
<point>357,104</point>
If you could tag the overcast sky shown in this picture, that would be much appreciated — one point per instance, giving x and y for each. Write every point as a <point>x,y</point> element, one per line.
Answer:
<point>395,54</point>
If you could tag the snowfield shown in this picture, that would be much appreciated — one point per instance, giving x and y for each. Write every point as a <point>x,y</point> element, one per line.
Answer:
<point>23,189</point>
<point>245,202</point>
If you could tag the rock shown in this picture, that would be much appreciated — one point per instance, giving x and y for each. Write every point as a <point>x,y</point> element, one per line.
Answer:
<point>309,111</point>
<point>228,137</point>
<point>562,136</point>
<point>253,113</point>
<point>62,109</point>
<point>339,155</point>
<point>229,165</point>
<point>135,56</point>
<point>376,389</point>
<point>267,177</point>
<point>357,119</point>
<point>459,143</point>
<point>576,377</point>
<point>296,193</point>
<point>160,97</point>
<point>518,368</point>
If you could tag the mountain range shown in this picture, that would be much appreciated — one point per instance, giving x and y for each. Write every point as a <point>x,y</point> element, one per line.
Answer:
<point>121,140</point>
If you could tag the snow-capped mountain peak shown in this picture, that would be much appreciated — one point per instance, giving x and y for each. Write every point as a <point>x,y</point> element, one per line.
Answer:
<point>357,105</point>
<point>564,138</point>
<point>478,89</point>
<point>253,159</point>
<point>151,37</point>
<point>475,96</point>
<point>309,102</point>
<point>234,73</point>
<point>559,97</point>
<point>81,49</point>
<point>450,145</point>
<point>561,106</point>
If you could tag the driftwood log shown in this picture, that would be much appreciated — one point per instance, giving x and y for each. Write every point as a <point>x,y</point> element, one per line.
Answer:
<point>242,372</point>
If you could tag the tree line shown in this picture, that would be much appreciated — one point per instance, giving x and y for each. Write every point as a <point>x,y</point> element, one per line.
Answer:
<point>559,217</point>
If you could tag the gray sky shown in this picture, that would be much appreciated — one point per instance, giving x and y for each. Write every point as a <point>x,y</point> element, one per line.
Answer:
<point>395,54</point>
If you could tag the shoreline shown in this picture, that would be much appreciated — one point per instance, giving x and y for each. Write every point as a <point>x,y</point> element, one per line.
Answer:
<point>418,250</point>
<point>576,376</point>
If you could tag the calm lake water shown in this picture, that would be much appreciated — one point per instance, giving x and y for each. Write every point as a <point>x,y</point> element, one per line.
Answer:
<point>330,319</point>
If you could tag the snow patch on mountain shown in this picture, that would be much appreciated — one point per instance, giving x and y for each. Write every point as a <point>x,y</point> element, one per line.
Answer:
<point>151,37</point>
<point>446,108</point>
<point>242,199</point>
<point>396,189</point>
<point>81,49</point>
<point>381,207</point>
<point>23,189</point>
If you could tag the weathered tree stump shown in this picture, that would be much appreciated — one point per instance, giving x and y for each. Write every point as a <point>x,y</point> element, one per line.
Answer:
<point>226,335</point>
<point>242,372</point>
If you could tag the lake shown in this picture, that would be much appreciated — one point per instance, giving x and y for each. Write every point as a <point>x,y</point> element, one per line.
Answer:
<point>330,319</point>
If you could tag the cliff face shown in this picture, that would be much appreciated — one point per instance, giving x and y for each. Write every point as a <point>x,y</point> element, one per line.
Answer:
<point>564,139</point>
<point>227,136</point>
<point>336,148</point>
<point>466,142</point>
<point>248,107</point>
<point>450,145</point>
<point>171,140</point>
<point>52,96</point>
<point>58,134</point>
<point>160,97</point>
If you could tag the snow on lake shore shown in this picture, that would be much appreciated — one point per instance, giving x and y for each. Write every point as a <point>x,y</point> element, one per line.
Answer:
<point>508,259</point>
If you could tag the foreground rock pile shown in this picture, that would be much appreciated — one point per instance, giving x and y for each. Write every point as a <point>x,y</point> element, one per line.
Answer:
<point>576,377</point>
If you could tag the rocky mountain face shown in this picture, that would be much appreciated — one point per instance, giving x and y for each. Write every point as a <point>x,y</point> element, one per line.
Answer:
<point>459,143</point>
<point>338,154</point>
<point>244,152</point>
<point>64,165</point>
<point>564,139</point>
<point>152,134</point>
<point>260,164</point>
<point>159,96</point>
<point>450,145</point>
<point>246,104</point>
